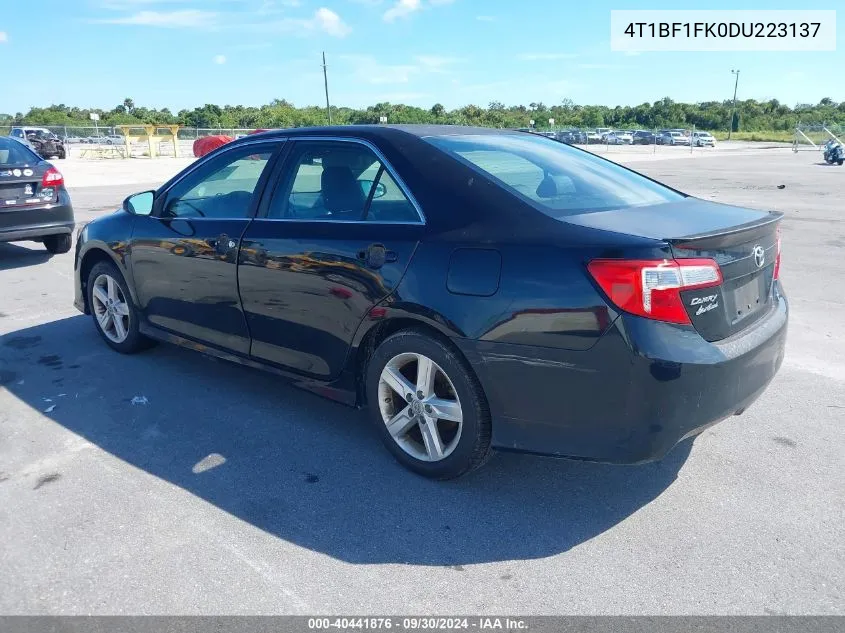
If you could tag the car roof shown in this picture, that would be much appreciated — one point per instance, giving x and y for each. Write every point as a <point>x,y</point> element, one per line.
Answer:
<point>383,131</point>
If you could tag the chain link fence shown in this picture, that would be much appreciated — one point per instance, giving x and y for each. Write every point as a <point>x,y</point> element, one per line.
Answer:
<point>812,137</point>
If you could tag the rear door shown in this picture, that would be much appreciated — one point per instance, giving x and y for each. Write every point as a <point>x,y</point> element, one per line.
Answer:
<point>334,240</point>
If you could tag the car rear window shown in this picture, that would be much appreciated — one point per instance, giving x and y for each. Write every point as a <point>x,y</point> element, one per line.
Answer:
<point>15,153</point>
<point>555,178</point>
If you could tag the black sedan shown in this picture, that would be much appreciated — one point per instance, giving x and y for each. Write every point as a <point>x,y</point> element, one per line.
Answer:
<point>34,204</point>
<point>644,137</point>
<point>476,289</point>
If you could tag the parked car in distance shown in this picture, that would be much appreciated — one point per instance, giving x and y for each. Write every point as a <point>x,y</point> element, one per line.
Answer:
<point>70,140</point>
<point>34,204</point>
<point>42,141</point>
<point>47,145</point>
<point>603,131</point>
<point>703,139</point>
<point>572,137</point>
<point>114,139</point>
<point>594,138</point>
<point>643,137</point>
<point>618,138</point>
<point>451,279</point>
<point>673,137</point>
<point>21,133</point>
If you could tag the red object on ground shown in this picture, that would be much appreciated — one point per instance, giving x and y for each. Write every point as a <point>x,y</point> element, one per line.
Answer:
<point>206,144</point>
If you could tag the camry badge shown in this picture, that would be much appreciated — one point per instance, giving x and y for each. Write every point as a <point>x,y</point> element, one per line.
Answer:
<point>16,173</point>
<point>759,256</point>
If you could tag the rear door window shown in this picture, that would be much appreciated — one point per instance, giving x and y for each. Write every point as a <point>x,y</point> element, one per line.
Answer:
<point>555,178</point>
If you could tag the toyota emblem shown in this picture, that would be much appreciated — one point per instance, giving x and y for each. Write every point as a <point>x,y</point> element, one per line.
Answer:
<point>759,256</point>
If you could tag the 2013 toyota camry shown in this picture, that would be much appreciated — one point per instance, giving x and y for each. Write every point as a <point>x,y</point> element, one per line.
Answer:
<point>477,289</point>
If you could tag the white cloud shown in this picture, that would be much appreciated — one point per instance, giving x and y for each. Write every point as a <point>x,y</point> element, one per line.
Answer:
<point>219,59</point>
<point>3,37</point>
<point>401,9</point>
<point>534,57</point>
<point>598,66</point>
<point>435,63</point>
<point>330,22</point>
<point>485,18</point>
<point>186,18</point>
<point>368,69</point>
<point>324,20</point>
<point>404,8</point>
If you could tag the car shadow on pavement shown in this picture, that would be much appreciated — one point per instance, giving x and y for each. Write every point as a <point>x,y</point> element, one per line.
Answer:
<point>307,470</point>
<point>14,256</point>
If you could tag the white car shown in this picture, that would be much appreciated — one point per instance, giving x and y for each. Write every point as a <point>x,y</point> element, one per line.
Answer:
<point>618,138</point>
<point>673,138</point>
<point>700,139</point>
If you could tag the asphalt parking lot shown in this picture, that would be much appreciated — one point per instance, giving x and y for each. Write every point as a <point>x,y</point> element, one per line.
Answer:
<point>223,490</point>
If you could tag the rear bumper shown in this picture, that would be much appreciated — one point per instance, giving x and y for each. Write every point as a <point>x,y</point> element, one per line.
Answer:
<point>37,221</point>
<point>640,390</point>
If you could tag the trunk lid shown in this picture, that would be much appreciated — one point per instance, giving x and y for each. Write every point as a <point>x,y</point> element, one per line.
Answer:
<point>744,242</point>
<point>20,185</point>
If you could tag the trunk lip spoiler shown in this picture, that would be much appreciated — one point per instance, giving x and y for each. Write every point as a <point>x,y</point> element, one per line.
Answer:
<point>772,218</point>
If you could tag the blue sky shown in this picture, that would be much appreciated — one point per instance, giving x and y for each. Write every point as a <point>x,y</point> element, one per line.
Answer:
<point>184,53</point>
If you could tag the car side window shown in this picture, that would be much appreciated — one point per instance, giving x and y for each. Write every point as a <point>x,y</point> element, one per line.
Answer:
<point>223,188</point>
<point>339,182</point>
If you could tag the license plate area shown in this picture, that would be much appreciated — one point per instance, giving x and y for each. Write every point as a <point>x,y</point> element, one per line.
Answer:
<point>747,298</point>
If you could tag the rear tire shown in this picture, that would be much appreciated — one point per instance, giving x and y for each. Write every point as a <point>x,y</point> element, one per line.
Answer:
<point>57,244</point>
<point>110,302</point>
<point>442,446</point>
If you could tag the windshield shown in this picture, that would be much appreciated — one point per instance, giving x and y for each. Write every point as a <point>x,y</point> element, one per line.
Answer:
<point>15,153</point>
<point>555,178</point>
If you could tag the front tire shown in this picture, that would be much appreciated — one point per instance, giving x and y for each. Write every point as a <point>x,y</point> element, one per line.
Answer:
<point>115,316</point>
<point>57,244</point>
<point>440,426</point>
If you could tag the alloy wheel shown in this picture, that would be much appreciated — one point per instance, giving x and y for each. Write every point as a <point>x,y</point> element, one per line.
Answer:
<point>110,307</point>
<point>420,407</point>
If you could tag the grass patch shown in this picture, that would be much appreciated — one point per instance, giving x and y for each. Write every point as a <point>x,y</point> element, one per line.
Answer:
<point>771,136</point>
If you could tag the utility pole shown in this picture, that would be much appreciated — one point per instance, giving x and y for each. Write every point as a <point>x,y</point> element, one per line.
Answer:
<point>326,83</point>
<point>733,110</point>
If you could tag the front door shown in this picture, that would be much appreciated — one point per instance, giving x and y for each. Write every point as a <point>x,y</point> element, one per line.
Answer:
<point>334,240</point>
<point>184,256</point>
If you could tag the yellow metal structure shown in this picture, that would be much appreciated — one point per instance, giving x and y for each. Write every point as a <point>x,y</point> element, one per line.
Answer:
<point>152,137</point>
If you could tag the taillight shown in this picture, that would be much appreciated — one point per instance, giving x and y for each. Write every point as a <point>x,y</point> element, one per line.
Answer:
<point>776,274</point>
<point>652,288</point>
<point>52,178</point>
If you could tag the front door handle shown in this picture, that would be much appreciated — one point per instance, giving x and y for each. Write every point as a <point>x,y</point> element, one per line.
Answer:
<point>376,256</point>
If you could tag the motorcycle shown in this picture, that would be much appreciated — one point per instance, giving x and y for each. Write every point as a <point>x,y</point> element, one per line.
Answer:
<point>833,152</point>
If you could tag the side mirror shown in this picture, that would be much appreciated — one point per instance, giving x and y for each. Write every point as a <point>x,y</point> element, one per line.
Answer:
<point>367,185</point>
<point>140,203</point>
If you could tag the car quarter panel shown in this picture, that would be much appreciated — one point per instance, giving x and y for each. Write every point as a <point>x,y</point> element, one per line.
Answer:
<point>641,389</point>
